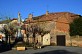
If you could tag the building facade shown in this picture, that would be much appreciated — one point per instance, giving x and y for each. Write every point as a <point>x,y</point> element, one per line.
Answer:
<point>57,24</point>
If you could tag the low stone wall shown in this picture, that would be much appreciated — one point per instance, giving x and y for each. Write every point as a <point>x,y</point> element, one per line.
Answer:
<point>76,41</point>
<point>20,48</point>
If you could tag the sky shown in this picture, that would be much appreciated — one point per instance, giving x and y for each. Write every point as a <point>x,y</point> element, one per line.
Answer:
<point>11,8</point>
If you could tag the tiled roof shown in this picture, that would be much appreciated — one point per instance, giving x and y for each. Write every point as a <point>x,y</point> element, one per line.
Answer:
<point>54,17</point>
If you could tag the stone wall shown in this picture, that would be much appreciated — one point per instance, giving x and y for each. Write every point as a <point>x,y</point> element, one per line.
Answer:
<point>53,37</point>
<point>47,25</point>
<point>76,41</point>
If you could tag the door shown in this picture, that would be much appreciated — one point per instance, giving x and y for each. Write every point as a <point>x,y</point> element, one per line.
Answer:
<point>61,40</point>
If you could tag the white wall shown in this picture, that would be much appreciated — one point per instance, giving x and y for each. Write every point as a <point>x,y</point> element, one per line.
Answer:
<point>46,39</point>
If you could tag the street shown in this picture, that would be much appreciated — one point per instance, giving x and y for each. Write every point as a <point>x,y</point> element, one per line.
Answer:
<point>48,50</point>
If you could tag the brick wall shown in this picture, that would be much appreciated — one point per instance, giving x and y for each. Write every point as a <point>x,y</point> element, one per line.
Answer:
<point>62,27</point>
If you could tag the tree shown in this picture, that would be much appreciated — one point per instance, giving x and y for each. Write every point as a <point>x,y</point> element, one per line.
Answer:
<point>9,30</point>
<point>76,27</point>
<point>4,30</point>
<point>34,29</point>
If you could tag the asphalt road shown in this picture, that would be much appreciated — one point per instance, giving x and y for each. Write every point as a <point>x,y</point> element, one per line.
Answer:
<point>48,50</point>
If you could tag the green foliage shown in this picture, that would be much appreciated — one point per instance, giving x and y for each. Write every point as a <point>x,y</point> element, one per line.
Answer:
<point>5,21</point>
<point>76,27</point>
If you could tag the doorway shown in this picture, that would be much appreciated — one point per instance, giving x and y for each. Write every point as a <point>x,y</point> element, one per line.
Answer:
<point>60,40</point>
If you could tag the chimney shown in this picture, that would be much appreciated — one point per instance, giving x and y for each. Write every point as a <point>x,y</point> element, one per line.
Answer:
<point>47,12</point>
<point>30,16</point>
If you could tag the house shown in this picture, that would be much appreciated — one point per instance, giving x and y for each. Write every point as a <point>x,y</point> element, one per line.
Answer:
<point>56,23</point>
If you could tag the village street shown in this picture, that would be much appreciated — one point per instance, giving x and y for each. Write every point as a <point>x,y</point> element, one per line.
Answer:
<point>48,50</point>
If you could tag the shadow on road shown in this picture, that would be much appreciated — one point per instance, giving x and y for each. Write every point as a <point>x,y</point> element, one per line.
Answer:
<point>7,46</point>
<point>4,48</point>
<point>57,52</point>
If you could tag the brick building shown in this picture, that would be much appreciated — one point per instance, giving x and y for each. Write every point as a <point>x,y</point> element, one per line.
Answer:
<point>56,23</point>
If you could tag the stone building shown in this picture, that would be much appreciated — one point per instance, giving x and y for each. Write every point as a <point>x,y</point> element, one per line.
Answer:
<point>56,23</point>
